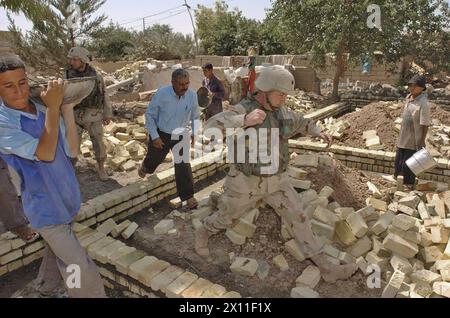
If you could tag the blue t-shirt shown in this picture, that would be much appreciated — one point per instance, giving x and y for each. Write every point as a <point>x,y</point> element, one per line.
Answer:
<point>50,190</point>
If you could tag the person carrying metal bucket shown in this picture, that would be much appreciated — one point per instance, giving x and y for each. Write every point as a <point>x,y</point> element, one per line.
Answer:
<point>415,122</point>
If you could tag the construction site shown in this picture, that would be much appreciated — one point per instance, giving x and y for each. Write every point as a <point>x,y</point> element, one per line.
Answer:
<point>141,235</point>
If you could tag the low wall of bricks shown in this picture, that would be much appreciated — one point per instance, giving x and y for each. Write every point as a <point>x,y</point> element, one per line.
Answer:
<point>354,103</point>
<point>334,110</point>
<point>119,204</point>
<point>368,160</point>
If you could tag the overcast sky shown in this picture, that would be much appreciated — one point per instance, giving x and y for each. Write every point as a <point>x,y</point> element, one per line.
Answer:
<point>130,12</point>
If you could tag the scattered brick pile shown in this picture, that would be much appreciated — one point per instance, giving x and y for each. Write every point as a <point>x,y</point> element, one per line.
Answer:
<point>407,237</point>
<point>404,233</point>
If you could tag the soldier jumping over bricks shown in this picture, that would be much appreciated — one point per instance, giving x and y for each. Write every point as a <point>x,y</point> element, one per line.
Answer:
<point>248,184</point>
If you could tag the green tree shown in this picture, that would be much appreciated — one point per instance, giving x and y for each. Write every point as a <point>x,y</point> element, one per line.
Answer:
<point>228,32</point>
<point>32,9</point>
<point>160,42</point>
<point>111,43</point>
<point>45,47</point>
<point>340,27</point>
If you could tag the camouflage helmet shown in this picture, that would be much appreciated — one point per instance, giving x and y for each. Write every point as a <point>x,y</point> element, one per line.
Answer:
<point>275,78</point>
<point>81,53</point>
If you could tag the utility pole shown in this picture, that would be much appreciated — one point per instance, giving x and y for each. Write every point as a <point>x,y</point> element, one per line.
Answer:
<point>193,25</point>
<point>143,24</point>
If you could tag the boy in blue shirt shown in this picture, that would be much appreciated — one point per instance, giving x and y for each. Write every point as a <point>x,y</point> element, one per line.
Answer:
<point>37,142</point>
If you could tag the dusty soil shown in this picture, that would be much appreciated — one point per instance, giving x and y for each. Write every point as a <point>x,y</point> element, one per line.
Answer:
<point>378,116</point>
<point>91,186</point>
<point>350,184</point>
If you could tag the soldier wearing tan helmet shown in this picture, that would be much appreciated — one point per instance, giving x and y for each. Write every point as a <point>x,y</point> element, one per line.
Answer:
<point>95,110</point>
<point>250,183</point>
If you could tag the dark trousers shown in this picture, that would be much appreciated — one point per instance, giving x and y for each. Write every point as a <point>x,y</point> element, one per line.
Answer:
<point>401,169</point>
<point>11,211</point>
<point>183,170</point>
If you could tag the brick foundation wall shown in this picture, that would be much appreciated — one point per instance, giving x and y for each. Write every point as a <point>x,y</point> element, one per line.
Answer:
<point>369,160</point>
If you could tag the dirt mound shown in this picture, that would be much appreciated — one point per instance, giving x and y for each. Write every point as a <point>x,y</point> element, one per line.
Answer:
<point>380,117</point>
<point>350,185</point>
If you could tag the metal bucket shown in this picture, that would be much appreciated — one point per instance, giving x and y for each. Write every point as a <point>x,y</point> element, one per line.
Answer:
<point>204,99</point>
<point>421,162</point>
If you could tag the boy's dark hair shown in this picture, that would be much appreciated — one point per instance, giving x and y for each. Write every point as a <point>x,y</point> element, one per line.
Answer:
<point>208,66</point>
<point>10,62</point>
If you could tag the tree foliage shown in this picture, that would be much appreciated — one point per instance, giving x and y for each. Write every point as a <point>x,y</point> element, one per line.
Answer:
<point>111,43</point>
<point>408,27</point>
<point>228,32</point>
<point>161,43</point>
<point>47,44</point>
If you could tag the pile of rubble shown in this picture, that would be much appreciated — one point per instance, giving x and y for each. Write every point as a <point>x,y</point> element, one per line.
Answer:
<point>126,144</point>
<point>302,101</point>
<point>385,119</point>
<point>372,140</point>
<point>335,127</point>
<point>372,91</point>
<point>440,94</point>
<point>404,234</point>
<point>439,137</point>
<point>129,70</point>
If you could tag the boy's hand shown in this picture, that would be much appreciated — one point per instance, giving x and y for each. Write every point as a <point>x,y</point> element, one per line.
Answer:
<point>54,94</point>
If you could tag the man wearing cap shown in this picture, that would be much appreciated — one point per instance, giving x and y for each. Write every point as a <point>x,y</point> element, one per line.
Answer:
<point>216,89</point>
<point>415,122</point>
<point>251,182</point>
<point>95,110</point>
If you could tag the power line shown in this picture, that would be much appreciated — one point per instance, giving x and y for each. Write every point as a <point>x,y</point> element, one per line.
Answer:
<point>140,25</point>
<point>149,16</point>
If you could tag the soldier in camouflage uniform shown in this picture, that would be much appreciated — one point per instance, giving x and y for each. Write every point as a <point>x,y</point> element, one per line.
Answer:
<point>249,184</point>
<point>95,110</point>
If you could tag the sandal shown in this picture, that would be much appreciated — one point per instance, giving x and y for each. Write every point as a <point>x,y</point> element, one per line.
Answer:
<point>141,172</point>
<point>26,234</point>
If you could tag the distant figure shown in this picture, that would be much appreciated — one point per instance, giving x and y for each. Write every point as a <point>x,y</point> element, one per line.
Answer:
<point>216,89</point>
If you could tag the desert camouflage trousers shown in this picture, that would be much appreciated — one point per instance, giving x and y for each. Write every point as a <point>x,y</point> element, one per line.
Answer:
<point>243,193</point>
<point>91,121</point>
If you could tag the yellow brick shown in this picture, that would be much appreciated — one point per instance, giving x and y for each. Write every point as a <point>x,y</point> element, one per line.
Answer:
<point>166,277</point>
<point>152,271</point>
<point>197,288</point>
<point>176,288</point>
<point>7,258</point>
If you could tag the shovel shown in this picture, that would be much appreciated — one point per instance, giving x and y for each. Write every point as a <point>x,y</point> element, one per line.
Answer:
<point>77,89</point>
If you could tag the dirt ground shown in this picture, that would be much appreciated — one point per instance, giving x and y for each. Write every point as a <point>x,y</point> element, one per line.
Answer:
<point>378,116</point>
<point>91,186</point>
<point>350,184</point>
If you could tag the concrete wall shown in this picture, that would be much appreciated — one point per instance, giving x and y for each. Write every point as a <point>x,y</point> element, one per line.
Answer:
<point>379,72</point>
